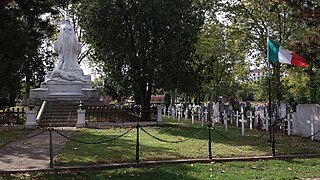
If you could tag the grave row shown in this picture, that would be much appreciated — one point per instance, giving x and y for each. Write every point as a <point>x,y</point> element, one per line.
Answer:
<point>259,119</point>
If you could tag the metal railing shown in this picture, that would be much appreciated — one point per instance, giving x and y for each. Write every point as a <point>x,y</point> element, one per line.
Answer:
<point>119,114</point>
<point>12,116</point>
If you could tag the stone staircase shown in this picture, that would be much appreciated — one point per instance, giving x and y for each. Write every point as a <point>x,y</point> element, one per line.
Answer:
<point>60,114</point>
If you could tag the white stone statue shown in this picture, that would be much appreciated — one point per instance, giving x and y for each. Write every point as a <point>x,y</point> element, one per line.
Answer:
<point>68,49</point>
<point>67,80</point>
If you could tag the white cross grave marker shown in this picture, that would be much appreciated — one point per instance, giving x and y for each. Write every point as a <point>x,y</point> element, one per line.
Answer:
<point>205,115</point>
<point>192,116</point>
<point>289,120</point>
<point>237,118</point>
<point>216,111</point>
<point>225,120</point>
<point>173,113</point>
<point>251,119</point>
<point>179,114</point>
<point>186,114</point>
<point>312,122</point>
<point>242,121</point>
<point>168,112</point>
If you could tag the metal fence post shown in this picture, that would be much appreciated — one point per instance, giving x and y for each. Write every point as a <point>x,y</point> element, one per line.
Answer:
<point>210,114</point>
<point>259,121</point>
<point>273,139</point>
<point>209,140</point>
<point>51,148</point>
<point>137,143</point>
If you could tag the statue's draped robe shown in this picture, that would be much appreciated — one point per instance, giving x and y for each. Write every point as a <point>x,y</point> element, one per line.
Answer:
<point>68,48</point>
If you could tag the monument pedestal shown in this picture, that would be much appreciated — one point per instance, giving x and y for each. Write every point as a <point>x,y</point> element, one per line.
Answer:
<point>68,90</point>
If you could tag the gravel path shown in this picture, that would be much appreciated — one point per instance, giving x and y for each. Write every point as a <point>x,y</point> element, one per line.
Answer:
<point>32,153</point>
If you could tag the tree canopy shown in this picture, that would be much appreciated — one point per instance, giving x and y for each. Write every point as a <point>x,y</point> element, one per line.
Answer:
<point>22,54</point>
<point>193,47</point>
<point>143,44</point>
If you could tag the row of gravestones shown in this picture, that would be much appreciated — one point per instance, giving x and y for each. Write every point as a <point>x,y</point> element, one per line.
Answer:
<point>304,122</point>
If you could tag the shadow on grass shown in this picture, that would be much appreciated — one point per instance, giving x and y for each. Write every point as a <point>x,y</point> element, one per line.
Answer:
<point>120,150</point>
<point>257,140</point>
<point>254,140</point>
<point>224,144</point>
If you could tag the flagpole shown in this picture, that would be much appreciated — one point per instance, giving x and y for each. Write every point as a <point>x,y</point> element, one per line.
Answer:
<point>269,104</point>
<point>271,127</point>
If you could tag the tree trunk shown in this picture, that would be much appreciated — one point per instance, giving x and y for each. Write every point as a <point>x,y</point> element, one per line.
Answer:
<point>28,86</point>
<point>12,99</point>
<point>145,101</point>
<point>312,86</point>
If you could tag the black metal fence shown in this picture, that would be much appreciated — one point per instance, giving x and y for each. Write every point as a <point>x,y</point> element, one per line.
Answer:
<point>120,114</point>
<point>12,116</point>
<point>206,132</point>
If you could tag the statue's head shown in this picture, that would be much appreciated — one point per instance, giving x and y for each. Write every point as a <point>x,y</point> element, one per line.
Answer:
<point>66,25</point>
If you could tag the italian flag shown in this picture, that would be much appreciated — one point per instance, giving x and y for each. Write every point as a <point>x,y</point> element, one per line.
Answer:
<point>280,55</point>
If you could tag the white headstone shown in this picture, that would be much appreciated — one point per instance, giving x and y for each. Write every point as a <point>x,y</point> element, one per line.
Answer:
<point>289,121</point>
<point>300,125</point>
<point>283,109</point>
<point>216,112</point>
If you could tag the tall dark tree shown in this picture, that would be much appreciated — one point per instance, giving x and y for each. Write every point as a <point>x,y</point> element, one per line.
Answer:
<point>143,44</point>
<point>12,39</point>
<point>23,29</point>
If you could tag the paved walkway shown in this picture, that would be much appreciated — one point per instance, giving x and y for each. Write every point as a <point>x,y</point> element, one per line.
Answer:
<point>32,153</point>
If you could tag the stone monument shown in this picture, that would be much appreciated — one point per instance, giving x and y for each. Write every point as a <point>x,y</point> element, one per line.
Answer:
<point>66,81</point>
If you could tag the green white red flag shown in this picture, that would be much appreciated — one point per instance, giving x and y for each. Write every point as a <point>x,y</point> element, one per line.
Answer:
<point>279,55</point>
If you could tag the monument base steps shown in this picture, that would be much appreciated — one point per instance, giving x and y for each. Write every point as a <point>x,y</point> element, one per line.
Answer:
<point>60,114</point>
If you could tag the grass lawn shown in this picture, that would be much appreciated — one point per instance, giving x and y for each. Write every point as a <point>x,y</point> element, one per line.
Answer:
<point>7,136</point>
<point>272,169</point>
<point>224,144</point>
<point>123,149</point>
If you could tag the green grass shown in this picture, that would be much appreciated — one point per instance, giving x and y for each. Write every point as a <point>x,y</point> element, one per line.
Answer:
<point>123,149</point>
<point>7,136</point>
<point>272,169</point>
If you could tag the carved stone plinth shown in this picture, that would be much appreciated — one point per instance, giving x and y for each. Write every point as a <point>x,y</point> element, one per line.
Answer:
<point>65,91</point>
